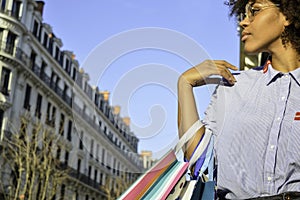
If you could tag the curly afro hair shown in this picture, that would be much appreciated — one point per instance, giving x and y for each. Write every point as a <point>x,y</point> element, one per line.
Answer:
<point>290,8</point>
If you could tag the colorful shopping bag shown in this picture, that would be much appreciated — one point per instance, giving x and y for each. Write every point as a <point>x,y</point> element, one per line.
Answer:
<point>144,182</point>
<point>166,182</point>
<point>198,188</point>
<point>158,182</point>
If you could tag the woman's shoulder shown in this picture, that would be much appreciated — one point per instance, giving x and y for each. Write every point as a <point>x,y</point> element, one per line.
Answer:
<point>244,77</point>
<point>250,74</point>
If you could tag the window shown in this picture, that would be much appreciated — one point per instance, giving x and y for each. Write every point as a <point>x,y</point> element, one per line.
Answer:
<point>58,152</point>
<point>57,51</point>
<point>53,75</point>
<point>114,165</point>
<point>50,48</point>
<point>10,42</point>
<point>27,98</point>
<point>32,59</point>
<point>97,152</point>
<point>3,3</point>
<point>62,191</point>
<point>66,88</point>
<point>16,9</point>
<point>53,116</point>
<point>4,84</point>
<point>101,178</point>
<point>80,141</point>
<point>62,124</point>
<point>78,165</point>
<point>92,149</point>
<point>90,171</point>
<point>38,106</point>
<point>66,158</point>
<point>1,32</point>
<point>96,99</point>
<point>42,72</point>
<point>45,41</point>
<point>56,83</point>
<point>35,28</point>
<point>67,67</point>
<point>103,156</point>
<point>95,175</point>
<point>69,136</point>
<point>48,113</point>
<point>74,73</point>
<point>1,119</point>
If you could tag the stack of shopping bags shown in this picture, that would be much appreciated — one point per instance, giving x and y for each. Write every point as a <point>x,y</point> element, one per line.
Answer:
<point>170,179</point>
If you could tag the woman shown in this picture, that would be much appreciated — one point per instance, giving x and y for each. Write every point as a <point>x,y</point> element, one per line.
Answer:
<point>256,117</point>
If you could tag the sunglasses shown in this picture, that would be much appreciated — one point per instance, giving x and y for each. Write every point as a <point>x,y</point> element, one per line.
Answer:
<point>251,11</point>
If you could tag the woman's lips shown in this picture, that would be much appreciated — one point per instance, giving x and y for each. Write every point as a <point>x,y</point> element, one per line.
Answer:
<point>245,35</point>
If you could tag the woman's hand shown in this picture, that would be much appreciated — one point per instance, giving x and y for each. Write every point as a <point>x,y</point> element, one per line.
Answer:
<point>197,75</point>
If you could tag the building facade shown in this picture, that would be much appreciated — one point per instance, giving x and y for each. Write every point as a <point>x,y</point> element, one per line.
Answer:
<point>147,158</point>
<point>41,80</point>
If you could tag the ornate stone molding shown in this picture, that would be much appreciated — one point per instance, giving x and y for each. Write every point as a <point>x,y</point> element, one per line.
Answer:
<point>11,26</point>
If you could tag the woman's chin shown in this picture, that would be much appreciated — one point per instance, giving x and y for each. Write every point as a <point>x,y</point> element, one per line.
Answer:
<point>250,51</point>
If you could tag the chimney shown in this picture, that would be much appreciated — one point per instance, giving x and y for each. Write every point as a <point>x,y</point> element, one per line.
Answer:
<point>126,120</point>
<point>105,95</point>
<point>117,110</point>
<point>40,6</point>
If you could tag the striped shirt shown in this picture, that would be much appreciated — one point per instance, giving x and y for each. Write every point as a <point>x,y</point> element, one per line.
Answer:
<point>256,124</point>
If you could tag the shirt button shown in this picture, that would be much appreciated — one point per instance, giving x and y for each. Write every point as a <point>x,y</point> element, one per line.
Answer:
<point>286,76</point>
<point>278,118</point>
<point>272,146</point>
<point>282,98</point>
<point>269,178</point>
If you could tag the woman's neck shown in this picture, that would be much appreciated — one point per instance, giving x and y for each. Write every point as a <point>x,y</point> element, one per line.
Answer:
<point>286,59</point>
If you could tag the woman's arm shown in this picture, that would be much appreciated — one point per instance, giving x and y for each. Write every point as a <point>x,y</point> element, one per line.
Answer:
<point>187,110</point>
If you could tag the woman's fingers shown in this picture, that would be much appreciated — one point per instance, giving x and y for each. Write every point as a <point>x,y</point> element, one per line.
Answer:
<point>197,75</point>
<point>223,68</point>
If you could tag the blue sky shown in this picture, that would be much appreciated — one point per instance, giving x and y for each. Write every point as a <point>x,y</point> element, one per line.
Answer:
<point>136,49</point>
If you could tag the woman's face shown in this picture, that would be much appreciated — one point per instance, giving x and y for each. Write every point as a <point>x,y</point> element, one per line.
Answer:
<point>262,27</point>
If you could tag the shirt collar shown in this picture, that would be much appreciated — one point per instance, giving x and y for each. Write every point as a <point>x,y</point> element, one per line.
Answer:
<point>296,75</point>
<point>271,74</point>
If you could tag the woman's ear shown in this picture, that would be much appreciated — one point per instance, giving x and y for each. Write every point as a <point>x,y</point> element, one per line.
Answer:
<point>286,22</point>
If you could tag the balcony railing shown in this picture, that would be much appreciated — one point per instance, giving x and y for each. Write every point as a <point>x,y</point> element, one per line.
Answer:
<point>84,179</point>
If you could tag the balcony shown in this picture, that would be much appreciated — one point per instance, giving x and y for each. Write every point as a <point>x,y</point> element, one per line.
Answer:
<point>84,179</point>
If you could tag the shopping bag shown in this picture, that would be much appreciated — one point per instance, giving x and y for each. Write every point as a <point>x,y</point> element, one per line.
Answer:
<point>144,182</point>
<point>198,188</point>
<point>166,182</point>
<point>203,190</point>
<point>160,180</point>
<point>185,186</point>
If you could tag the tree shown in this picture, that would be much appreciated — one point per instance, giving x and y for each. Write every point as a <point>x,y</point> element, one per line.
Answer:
<point>29,169</point>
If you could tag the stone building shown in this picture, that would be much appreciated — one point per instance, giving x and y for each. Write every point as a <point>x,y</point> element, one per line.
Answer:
<point>41,80</point>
